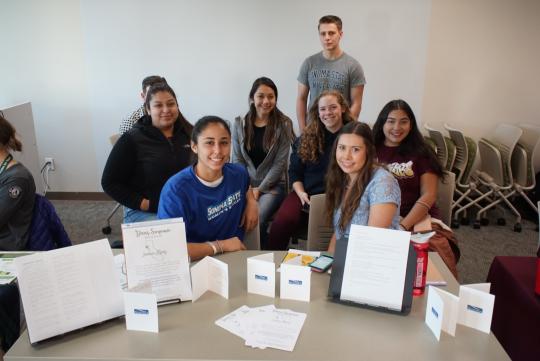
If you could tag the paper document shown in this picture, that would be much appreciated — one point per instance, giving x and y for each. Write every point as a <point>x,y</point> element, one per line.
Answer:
<point>265,326</point>
<point>140,305</point>
<point>120,266</point>
<point>7,266</point>
<point>156,251</point>
<point>261,275</point>
<point>68,288</point>
<point>441,311</point>
<point>375,267</point>
<point>476,306</point>
<point>210,274</point>
<point>295,282</point>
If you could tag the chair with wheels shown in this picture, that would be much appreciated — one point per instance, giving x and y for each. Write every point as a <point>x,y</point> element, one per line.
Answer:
<point>107,229</point>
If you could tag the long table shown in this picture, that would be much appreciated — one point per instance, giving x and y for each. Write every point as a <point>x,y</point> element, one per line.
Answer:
<point>331,331</point>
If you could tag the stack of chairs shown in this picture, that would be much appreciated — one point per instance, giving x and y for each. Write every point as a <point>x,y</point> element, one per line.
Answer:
<point>444,147</point>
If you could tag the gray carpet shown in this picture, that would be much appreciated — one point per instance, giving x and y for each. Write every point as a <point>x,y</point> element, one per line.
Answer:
<point>84,221</point>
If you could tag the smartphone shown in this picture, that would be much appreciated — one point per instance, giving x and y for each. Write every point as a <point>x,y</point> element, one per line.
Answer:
<point>322,264</point>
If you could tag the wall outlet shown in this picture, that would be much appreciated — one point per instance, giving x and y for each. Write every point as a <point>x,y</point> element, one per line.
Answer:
<point>50,161</point>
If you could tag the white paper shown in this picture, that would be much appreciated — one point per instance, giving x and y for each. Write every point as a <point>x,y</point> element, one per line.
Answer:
<point>8,273</point>
<point>261,275</point>
<point>375,266</point>
<point>68,288</point>
<point>235,322</point>
<point>156,251</point>
<point>120,266</point>
<point>445,305</point>
<point>295,282</point>
<point>434,312</point>
<point>141,311</point>
<point>475,307</point>
<point>210,274</point>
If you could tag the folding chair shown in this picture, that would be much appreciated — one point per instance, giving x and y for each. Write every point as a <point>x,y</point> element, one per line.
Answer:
<point>526,152</point>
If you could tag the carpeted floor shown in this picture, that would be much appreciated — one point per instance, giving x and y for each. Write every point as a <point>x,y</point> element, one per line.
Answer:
<point>84,221</point>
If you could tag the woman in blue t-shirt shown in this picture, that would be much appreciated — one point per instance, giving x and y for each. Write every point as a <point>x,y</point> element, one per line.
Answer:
<point>358,190</point>
<point>213,197</point>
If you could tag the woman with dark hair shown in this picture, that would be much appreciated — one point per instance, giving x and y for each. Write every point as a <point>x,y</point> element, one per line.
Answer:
<point>261,142</point>
<point>401,146</point>
<point>358,190</point>
<point>213,197</point>
<point>17,192</point>
<point>144,158</point>
<point>308,165</point>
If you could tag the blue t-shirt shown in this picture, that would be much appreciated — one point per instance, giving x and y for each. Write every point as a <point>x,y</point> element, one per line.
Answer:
<point>382,188</point>
<point>209,213</point>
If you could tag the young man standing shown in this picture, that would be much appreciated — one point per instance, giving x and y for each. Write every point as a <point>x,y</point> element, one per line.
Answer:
<point>329,69</point>
<point>130,120</point>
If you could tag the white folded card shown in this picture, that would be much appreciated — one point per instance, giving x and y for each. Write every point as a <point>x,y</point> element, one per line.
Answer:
<point>210,274</point>
<point>68,288</point>
<point>156,251</point>
<point>140,306</point>
<point>476,306</point>
<point>295,282</point>
<point>261,275</point>
<point>441,311</point>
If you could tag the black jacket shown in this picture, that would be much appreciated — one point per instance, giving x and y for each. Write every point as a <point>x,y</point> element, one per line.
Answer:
<point>142,160</point>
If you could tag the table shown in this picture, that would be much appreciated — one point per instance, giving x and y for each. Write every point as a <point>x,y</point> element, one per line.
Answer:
<point>331,331</point>
<point>516,314</point>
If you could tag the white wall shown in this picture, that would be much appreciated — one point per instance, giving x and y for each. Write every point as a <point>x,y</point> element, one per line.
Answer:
<point>81,63</point>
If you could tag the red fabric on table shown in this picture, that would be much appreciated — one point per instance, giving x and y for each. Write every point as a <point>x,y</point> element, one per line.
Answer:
<point>516,314</point>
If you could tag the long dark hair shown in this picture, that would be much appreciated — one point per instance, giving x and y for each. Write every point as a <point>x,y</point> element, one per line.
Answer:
<point>164,87</point>
<point>414,143</point>
<point>312,140</point>
<point>337,180</point>
<point>8,137</point>
<point>276,120</point>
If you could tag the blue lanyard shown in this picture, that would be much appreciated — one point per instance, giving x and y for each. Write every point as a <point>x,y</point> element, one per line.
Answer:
<point>5,163</point>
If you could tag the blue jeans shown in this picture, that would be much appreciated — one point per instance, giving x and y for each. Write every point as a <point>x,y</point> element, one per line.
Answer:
<point>135,215</point>
<point>268,205</point>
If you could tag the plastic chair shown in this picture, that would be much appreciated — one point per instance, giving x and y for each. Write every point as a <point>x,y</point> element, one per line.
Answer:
<point>526,152</point>
<point>318,234</point>
<point>440,144</point>
<point>252,239</point>
<point>445,194</point>
<point>496,171</point>
<point>107,229</point>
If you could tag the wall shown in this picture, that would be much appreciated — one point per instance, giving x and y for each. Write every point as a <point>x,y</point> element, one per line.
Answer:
<point>482,64</point>
<point>80,62</point>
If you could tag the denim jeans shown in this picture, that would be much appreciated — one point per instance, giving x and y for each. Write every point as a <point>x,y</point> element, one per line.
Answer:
<point>268,205</point>
<point>135,215</point>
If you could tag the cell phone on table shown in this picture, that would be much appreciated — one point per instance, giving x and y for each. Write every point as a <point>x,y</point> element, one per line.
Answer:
<point>322,264</point>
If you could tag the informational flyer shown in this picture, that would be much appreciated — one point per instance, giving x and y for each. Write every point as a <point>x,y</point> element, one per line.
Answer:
<point>156,251</point>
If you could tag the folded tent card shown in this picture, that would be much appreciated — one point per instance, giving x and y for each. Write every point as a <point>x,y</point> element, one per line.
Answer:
<point>140,306</point>
<point>473,308</point>
<point>261,275</point>
<point>210,274</point>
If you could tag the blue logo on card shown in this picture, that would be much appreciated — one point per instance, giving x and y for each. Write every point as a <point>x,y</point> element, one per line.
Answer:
<point>434,312</point>
<point>262,278</point>
<point>475,309</point>
<point>140,311</point>
<point>295,282</point>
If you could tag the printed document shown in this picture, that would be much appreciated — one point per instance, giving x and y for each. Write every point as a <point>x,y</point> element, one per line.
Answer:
<point>156,251</point>
<point>375,266</point>
<point>68,288</point>
<point>7,266</point>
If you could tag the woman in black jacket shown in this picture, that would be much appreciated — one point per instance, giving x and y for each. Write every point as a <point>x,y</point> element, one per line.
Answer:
<point>144,158</point>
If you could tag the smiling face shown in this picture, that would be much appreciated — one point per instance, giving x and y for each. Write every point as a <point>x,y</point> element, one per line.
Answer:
<point>264,100</point>
<point>351,154</point>
<point>331,113</point>
<point>163,109</point>
<point>330,36</point>
<point>396,128</point>
<point>213,148</point>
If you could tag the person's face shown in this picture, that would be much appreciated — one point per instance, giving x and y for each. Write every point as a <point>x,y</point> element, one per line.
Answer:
<point>163,110</point>
<point>330,36</point>
<point>331,113</point>
<point>396,128</point>
<point>264,100</point>
<point>213,148</point>
<point>351,154</point>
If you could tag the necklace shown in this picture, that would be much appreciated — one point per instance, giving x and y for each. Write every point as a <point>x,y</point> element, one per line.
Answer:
<point>5,163</point>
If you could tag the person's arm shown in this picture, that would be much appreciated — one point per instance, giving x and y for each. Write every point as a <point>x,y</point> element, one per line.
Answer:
<point>279,163</point>
<point>296,174</point>
<point>357,94</point>
<point>197,251</point>
<point>332,244</point>
<point>250,217</point>
<point>298,187</point>
<point>381,215</point>
<point>118,172</point>
<point>301,106</point>
<point>428,196</point>
<point>11,202</point>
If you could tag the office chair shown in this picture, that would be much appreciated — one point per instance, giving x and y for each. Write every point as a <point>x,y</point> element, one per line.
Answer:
<point>107,229</point>
<point>445,194</point>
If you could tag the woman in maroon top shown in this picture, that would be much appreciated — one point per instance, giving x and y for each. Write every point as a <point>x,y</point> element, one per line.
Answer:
<point>401,146</point>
